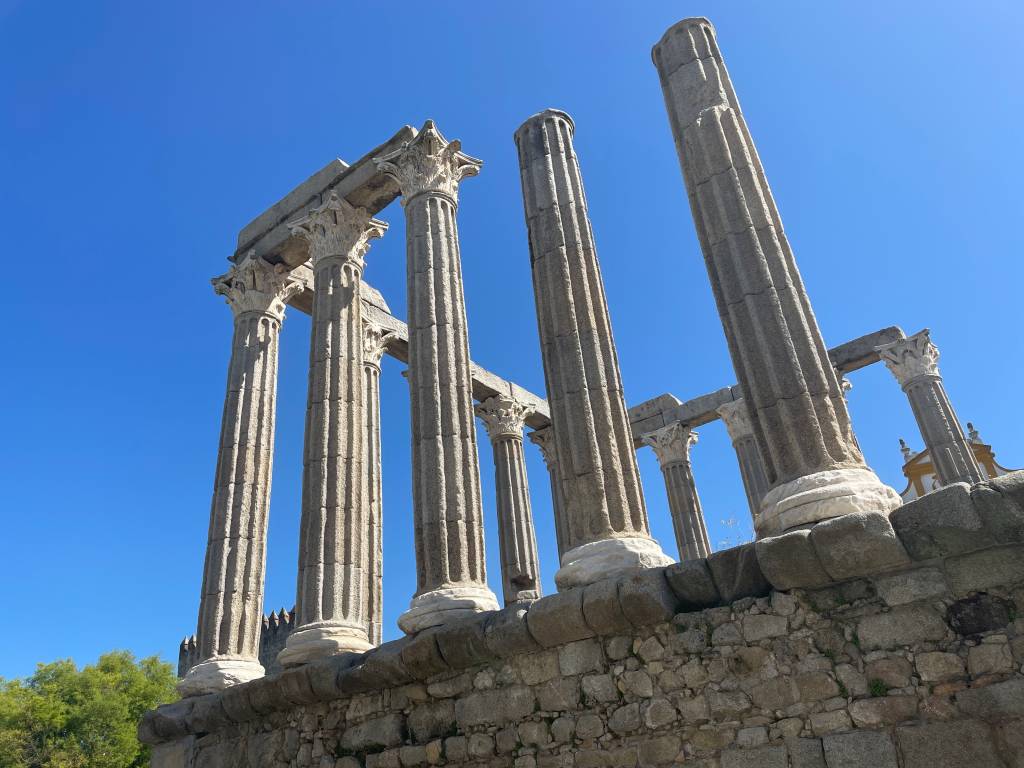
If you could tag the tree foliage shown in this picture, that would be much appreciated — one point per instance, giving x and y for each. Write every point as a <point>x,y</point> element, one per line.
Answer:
<point>63,717</point>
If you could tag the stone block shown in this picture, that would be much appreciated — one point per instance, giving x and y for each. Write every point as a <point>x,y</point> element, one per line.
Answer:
<point>295,687</point>
<point>906,625</point>
<point>760,757</point>
<point>207,714</point>
<point>790,561</point>
<point>692,583</point>
<point>601,609</point>
<point>637,683</point>
<point>1001,516</point>
<point>883,710</point>
<point>589,727</point>
<point>659,750</point>
<point>997,701</point>
<point>432,720</point>
<point>940,524</point>
<point>625,719</point>
<point>385,662</point>
<point>558,619</point>
<point>894,671</point>
<point>422,657</point>
<point>775,694</point>
<point>658,713</point>
<point>378,733</point>
<point>989,659</point>
<point>175,754</point>
<point>823,723</point>
<point>580,656</point>
<point>496,707</point>
<point>816,686</point>
<point>859,749</point>
<point>806,753</point>
<point>727,705</point>
<point>559,695</point>
<point>957,744</point>
<point>600,688</point>
<point>737,574</point>
<point>263,694</point>
<point>978,614</point>
<point>857,544</point>
<point>937,667</point>
<point>911,586</point>
<point>462,642</point>
<point>646,598</point>
<point>507,634</point>
<point>235,703</point>
<point>978,571</point>
<point>762,626</point>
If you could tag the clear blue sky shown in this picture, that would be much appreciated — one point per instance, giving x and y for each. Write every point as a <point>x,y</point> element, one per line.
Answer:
<point>138,138</point>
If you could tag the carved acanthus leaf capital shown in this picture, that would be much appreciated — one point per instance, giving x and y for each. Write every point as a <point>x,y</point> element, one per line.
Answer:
<point>503,416</point>
<point>337,229</point>
<point>544,439</point>
<point>671,443</point>
<point>736,419</point>
<point>375,342</point>
<point>911,357</point>
<point>255,285</point>
<point>429,163</point>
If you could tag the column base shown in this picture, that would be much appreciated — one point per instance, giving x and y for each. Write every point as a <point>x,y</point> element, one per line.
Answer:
<point>821,496</point>
<point>218,673</point>
<point>322,639</point>
<point>439,606</point>
<point>608,557</point>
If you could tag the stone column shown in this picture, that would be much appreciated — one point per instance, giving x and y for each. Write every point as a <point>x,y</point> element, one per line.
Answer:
<point>231,603</point>
<point>331,599</point>
<point>545,440</point>
<point>451,571</point>
<point>741,432</point>
<point>914,362</point>
<point>797,410</point>
<point>504,418</point>
<point>671,445</point>
<point>375,343</point>
<point>606,520</point>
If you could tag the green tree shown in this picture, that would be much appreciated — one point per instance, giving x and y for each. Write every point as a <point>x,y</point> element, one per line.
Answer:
<point>63,717</point>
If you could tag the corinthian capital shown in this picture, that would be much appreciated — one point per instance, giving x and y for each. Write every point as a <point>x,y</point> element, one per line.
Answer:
<point>429,163</point>
<point>375,342</point>
<point>338,229</point>
<point>503,416</point>
<point>255,285</point>
<point>736,419</point>
<point>544,439</point>
<point>672,443</point>
<point>911,357</point>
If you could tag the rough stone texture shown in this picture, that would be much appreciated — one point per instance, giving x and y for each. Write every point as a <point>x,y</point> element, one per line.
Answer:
<point>693,585</point>
<point>451,577</point>
<point>755,482</point>
<point>790,560</point>
<point>602,497</point>
<point>797,409</point>
<point>858,544</point>
<point>671,445</point>
<point>914,361</point>
<point>942,523</point>
<point>334,531</point>
<point>737,573</point>
<point>520,569</point>
<point>962,744</point>
<point>231,603</point>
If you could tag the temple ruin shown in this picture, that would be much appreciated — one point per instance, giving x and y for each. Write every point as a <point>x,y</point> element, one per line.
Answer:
<point>857,630</point>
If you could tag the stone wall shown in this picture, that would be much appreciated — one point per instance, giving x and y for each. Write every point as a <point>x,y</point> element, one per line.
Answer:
<point>901,648</point>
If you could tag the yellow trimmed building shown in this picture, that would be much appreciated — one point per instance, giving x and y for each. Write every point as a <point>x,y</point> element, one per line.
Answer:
<point>920,472</point>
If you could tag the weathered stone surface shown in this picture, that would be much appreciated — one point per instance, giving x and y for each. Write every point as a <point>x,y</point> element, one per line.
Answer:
<point>580,656</point>
<point>558,619</point>
<point>601,608</point>
<point>901,626</point>
<point>692,583</point>
<point>941,523</point>
<point>883,710</point>
<point>989,659</point>
<point>761,757</point>
<point>858,544</point>
<point>422,657</point>
<point>790,560</point>
<point>981,570</point>
<point>936,666</point>
<point>494,707</point>
<point>559,694</point>
<point>462,642</point>
<point>979,613</point>
<point>1000,512</point>
<point>507,634</point>
<point>646,598</point>
<point>806,753</point>
<point>386,731</point>
<point>911,586</point>
<point>671,445</point>
<point>737,573</point>
<point>859,749</point>
<point>959,744</point>
<point>431,720</point>
<point>993,702</point>
<point>763,626</point>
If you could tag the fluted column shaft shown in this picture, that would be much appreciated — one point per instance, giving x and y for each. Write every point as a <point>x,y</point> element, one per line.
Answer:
<point>606,519</point>
<point>231,604</point>
<point>450,567</point>
<point>545,440</point>
<point>375,342</point>
<point>737,424</point>
<point>914,362</point>
<point>331,596</point>
<point>671,445</point>
<point>796,405</point>
<point>520,568</point>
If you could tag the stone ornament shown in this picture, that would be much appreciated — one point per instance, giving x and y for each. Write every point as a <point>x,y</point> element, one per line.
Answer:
<point>255,285</point>
<point>911,358</point>
<point>503,417</point>
<point>429,163</point>
<point>338,229</point>
<point>736,419</point>
<point>672,443</point>
<point>375,343</point>
<point>798,413</point>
